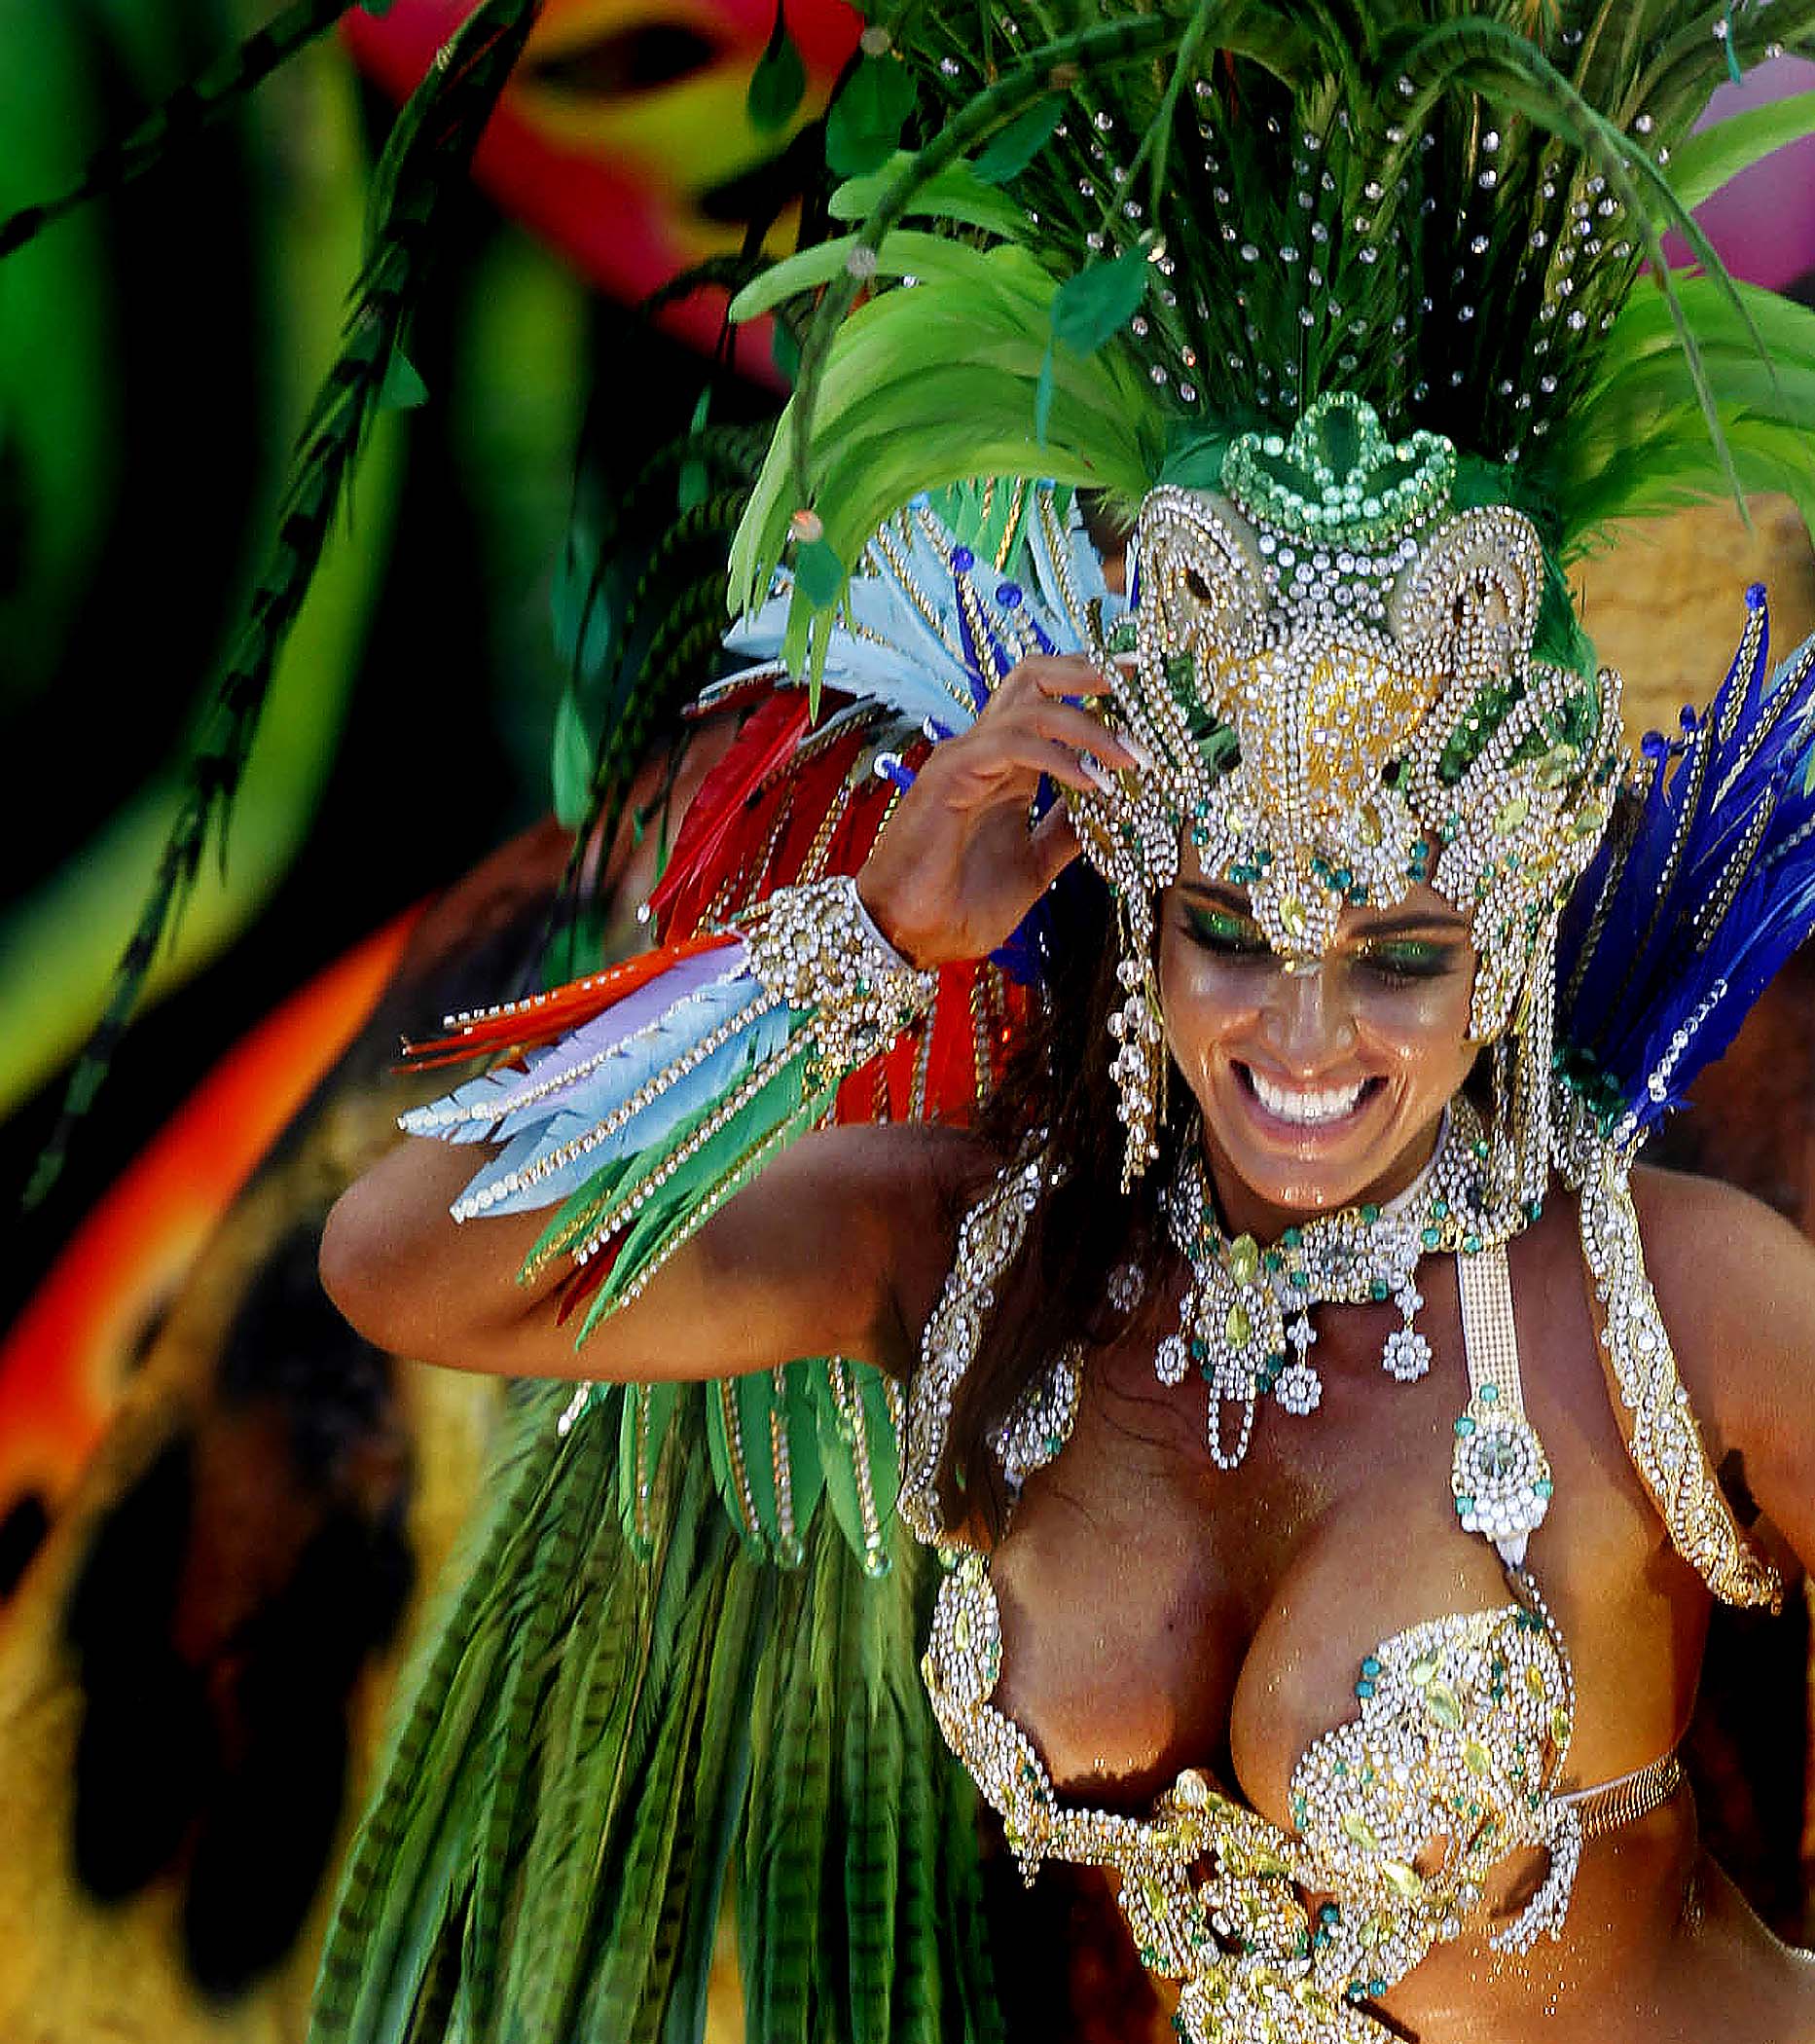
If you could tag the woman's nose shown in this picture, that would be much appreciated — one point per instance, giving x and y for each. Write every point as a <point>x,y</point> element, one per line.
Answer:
<point>1305,1020</point>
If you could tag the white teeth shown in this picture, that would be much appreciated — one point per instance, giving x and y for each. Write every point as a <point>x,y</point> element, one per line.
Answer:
<point>1307,1105</point>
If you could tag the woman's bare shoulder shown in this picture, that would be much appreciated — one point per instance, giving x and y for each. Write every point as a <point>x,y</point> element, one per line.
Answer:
<point>1714,1244</point>
<point>1735,1282</point>
<point>925,1178</point>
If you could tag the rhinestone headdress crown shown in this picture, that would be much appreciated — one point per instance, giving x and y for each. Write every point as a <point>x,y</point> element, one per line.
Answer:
<point>1335,680</point>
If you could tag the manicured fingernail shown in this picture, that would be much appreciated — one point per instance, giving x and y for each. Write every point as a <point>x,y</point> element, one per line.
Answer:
<point>1136,750</point>
<point>1095,775</point>
<point>1126,661</point>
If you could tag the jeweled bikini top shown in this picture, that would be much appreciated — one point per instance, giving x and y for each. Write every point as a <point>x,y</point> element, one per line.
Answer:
<point>1453,1760</point>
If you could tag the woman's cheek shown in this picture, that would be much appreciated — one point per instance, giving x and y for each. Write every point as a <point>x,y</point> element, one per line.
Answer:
<point>1203,1003</point>
<point>1418,1021</point>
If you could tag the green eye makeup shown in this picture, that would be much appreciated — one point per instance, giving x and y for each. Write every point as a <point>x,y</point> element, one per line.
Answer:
<point>1408,958</point>
<point>1225,933</point>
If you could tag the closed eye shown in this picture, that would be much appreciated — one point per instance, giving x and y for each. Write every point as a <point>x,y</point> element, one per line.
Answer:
<point>1408,959</point>
<point>1225,935</point>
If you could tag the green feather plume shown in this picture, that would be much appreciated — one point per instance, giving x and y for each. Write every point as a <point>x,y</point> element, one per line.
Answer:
<point>596,1737</point>
<point>180,116</point>
<point>1444,209</point>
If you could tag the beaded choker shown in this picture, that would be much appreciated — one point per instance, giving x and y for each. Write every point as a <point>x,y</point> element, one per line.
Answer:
<point>1246,1318</point>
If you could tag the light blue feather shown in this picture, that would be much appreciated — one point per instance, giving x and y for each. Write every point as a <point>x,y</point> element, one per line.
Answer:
<point>647,1130</point>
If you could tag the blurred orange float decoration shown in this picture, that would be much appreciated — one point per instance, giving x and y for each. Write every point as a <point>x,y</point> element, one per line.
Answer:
<point>65,1361</point>
<point>625,138</point>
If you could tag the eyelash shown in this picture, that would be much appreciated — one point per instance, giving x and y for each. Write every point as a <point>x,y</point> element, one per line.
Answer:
<point>1234,938</point>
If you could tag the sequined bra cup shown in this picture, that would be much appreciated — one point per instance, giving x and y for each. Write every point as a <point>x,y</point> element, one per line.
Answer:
<point>1452,1761</point>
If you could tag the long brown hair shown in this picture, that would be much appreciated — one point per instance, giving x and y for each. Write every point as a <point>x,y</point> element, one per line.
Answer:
<point>1058,1082</point>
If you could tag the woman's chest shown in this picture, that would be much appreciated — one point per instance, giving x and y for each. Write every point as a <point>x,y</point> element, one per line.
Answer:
<point>1159,1613</point>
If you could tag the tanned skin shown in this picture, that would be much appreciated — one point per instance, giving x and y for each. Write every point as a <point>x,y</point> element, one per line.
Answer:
<point>1227,1631</point>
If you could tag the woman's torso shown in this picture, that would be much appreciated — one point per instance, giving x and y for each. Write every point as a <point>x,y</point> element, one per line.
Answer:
<point>1161,1614</point>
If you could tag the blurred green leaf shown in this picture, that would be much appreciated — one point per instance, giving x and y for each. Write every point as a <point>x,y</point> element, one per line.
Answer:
<point>691,485</point>
<point>778,79</point>
<point>579,617</point>
<point>402,389</point>
<point>784,351</point>
<point>1016,146</point>
<point>1099,302</point>
<point>864,128</point>
<point>570,762</point>
<point>1042,394</point>
<point>819,572</point>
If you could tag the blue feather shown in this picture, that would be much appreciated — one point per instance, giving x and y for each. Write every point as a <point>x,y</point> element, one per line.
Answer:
<point>1679,924</point>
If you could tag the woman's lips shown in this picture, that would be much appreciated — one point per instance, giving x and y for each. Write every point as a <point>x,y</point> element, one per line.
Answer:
<point>1307,1111</point>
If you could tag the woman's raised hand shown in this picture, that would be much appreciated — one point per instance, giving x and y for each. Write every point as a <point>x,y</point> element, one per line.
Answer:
<point>957,866</point>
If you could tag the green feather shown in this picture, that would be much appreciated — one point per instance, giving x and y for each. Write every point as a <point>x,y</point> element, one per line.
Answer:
<point>873,1764</point>
<point>721,1785</point>
<point>424,159</point>
<point>601,1721</point>
<point>183,115</point>
<point>1707,160</point>
<point>859,1455</point>
<point>543,1596</point>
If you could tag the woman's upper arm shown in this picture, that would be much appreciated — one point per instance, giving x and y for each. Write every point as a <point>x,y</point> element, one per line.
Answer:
<point>832,1250</point>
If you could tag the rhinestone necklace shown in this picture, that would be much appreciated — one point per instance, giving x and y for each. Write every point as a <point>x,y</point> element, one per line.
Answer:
<point>1246,1317</point>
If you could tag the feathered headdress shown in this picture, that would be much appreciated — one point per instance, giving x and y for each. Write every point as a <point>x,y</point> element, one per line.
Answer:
<point>1133,234</point>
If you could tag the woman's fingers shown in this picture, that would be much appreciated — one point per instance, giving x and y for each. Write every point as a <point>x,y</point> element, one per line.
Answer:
<point>1057,762</point>
<point>1056,675</point>
<point>1076,727</point>
<point>1054,843</point>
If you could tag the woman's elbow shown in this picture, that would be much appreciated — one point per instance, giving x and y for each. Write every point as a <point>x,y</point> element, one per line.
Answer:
<point>411,1281</point>
<point>360,1270</point>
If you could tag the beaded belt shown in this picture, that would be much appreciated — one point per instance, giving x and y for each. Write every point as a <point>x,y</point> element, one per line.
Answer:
<point>1625,1802</point>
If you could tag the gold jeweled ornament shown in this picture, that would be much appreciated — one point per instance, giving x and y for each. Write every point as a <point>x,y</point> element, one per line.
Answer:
<point>1336,681</point>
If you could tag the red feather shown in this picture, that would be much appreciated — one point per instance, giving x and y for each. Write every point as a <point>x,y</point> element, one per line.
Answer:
<point>540,1018</point>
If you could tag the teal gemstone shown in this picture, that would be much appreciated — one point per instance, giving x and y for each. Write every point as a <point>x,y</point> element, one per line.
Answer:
<point>1429,1238</point>
<point>1464,1426</point>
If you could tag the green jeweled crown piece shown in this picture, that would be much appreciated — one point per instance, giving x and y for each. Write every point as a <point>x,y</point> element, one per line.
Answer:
<point>1338,478</point>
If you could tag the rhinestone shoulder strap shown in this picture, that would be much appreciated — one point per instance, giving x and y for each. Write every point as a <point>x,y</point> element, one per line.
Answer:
<point>1652,1408</point>
<point>988,1238</point>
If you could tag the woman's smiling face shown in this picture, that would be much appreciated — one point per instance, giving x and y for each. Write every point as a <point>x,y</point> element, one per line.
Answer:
<point>1318,1087</point>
